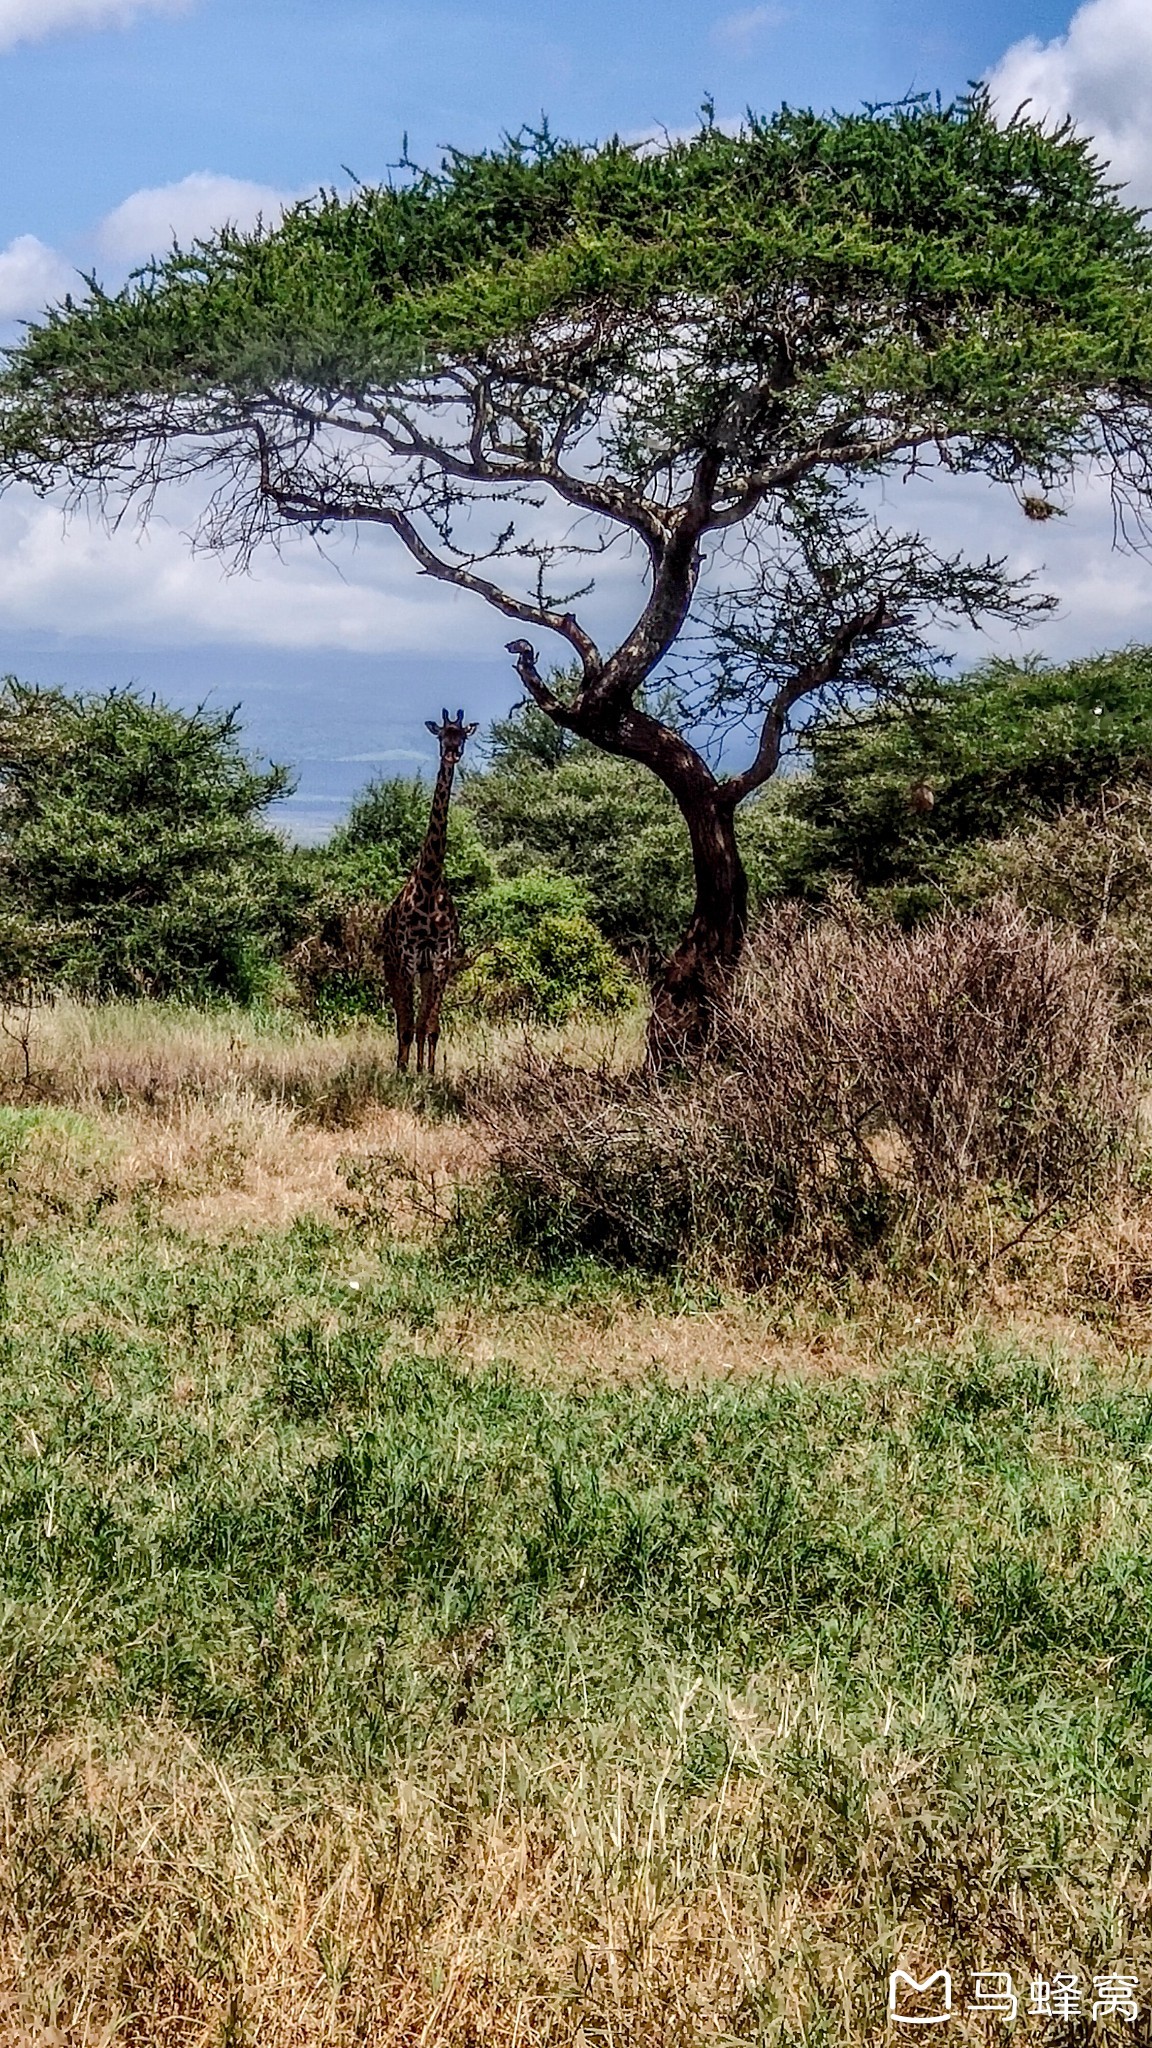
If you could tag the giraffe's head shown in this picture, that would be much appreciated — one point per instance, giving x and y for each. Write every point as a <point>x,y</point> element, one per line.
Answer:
<point>451,734</point>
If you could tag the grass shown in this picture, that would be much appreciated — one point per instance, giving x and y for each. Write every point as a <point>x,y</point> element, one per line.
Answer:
<point>155,1055</point>
<point>392,1652</point>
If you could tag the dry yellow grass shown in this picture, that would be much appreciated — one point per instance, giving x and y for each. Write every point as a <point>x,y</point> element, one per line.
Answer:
<point>152,1054</point>
<point>736,1341</point>
<point>570,1886</point>
<point>753,1340</point>
<point>203,1907</point>
<point>229,1121</point>
<point>233,1163</point>
<point>213,1913</point>
<point>240,1163</point>
<point>219,1122</point>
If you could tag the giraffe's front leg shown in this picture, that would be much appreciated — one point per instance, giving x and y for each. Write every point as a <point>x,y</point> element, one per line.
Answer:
<point>400,990</point>
<point>428,1022</point>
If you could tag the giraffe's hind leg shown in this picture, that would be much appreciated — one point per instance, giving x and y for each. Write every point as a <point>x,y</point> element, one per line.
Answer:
<point>428,1021</point>
<point>400,991</point>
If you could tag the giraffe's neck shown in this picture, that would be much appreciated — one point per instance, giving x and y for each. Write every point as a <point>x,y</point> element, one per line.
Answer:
<point>430,865</point>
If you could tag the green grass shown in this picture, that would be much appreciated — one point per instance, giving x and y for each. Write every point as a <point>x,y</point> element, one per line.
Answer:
<point>892,1633</point>
<point>281,1559</point>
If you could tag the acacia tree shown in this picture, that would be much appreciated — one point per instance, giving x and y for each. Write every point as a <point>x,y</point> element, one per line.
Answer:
<point>533,355</point>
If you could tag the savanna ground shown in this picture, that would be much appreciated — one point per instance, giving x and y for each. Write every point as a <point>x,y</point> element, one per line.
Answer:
<point>403,1648</point>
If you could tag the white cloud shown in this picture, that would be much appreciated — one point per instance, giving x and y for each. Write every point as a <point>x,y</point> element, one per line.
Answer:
<point>25,21</point>
<point>31,276</point>
<point>146,223</point>
<point>75,577</point>
<point>1103,593</point>
<point>741,30</point>
<point>1100,72</point>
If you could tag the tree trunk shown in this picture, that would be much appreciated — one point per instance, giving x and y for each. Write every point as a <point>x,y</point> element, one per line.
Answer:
<point>700,971</point>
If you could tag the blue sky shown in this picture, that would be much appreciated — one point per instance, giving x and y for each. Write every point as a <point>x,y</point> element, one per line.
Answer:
<point>125,118</point>
<point>285,92</point>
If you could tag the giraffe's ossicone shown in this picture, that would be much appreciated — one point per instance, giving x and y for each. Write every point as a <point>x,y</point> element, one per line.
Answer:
<point>420,930</point>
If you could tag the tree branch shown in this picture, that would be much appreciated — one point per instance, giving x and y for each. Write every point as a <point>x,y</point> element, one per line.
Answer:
<point>606,500</point>
<point>784,476</point>
<point>534,682</point>
<point>626,731</point>
<point>297,509</point>
<point>814,676</point>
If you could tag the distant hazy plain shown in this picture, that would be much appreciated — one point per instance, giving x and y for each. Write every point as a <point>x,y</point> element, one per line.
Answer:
<point>336,719</point>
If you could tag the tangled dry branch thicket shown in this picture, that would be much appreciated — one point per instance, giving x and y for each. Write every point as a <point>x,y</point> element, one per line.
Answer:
<point>869,1090</point>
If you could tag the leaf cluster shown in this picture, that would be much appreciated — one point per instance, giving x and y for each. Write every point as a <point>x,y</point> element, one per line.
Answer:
<point>539,957</point>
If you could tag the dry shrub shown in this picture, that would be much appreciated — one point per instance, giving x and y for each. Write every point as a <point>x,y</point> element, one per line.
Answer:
<point>1090,869</point>
<point>185,1910</point>
<point>867,1089</point>
<point>985,1046</point>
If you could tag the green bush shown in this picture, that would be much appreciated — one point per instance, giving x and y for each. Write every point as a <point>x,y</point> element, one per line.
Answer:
<point>539,955</point>
<point>896,791</point>
<point>335,965</point>
<point>511,909</point>
<point>133,856</point>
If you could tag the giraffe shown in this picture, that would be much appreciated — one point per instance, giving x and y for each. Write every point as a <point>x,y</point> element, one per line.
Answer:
<point>420,931</point>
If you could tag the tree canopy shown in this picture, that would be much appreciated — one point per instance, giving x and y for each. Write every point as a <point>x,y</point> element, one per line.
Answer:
<point>829,288</point>
<point>544,352</point>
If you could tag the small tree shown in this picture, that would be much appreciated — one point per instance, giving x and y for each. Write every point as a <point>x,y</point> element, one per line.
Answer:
<point>537,955</point>
<point>544,352</point>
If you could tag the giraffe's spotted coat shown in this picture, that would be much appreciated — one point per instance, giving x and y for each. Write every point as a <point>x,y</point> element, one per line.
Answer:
<point>420,930</point>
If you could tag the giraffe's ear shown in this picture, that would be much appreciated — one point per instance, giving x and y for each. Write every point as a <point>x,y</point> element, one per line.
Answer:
<point>469,730</point>
<point>433,729</point>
